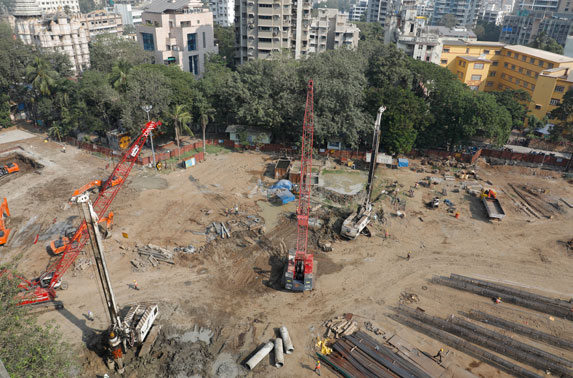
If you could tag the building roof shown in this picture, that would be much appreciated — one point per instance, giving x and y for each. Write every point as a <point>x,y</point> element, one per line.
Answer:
<point>26,8</point>
<point>451,32</point>
<point>161,6</point>
<point>470,58</point>
<point>461,42</point>
<point>546,55</point>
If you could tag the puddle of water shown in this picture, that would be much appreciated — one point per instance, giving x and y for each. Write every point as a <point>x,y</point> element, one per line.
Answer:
<point>345,183</point>
<point>271,213</point>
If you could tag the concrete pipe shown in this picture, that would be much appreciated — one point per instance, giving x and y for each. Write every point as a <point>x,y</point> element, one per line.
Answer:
<point>289,348</point>
<point>279,356</point>
<point>257,357</point>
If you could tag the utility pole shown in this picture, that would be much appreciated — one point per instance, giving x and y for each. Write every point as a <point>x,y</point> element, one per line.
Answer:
<point>147,109</point>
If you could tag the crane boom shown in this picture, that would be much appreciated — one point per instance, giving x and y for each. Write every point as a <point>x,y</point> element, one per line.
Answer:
<point>39,290</point>
<point>299,274</point>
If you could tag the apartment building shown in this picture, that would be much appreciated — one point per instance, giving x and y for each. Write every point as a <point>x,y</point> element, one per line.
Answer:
<point>466,11</point>
<point>357,10</point>
<point>264,28</point>
<point>493,66</point>
<point>223,11</point>
<point>331,30</point>
<point>102,22</point>
<point>494,16</point>
<point>52,6</point>
<point>521,27</point>
<point>178,32</point>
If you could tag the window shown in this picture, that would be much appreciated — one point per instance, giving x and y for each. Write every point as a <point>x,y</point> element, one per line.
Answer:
<point>517,81</point>
<point>509,53</point>
<point>194,64</point>
<point>524,58</point>
<point>505,65</point>
<point>500,86</point>
<point>492,74</point>
<point>494,64</point>
<point>486,51</point>
<point>473,87</point>
<point>192,42</point>
<point>525,84</point>
<point>550,65</point>
<point>554,101</point>
<point>537,107</point>
<point>503,76</point>
<point>204,41</point>
<point>532,60</point>
<point>520,70</point>
<point>461,74</point>
<point>185,24</point>
<point>148,44</point>
<point>478,66</point>
<point>489,84</point>
<point>516,56</point>
<point>497,52</point>
<point>513,67</point>
<point>467,50</point>
<point>532,86</point>
<point>540,63</point>
<point>446,50</point>
<point>265,5</point>
<point>476,77</point>
<point>528,73</point>
<point>459,62</point>
<point>444,61</point>
<point>265,17</point>
<point>559,88</point>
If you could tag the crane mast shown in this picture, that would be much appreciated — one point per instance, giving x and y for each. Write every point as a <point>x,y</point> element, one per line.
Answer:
<point>299,274</point>
<point>43,289</point>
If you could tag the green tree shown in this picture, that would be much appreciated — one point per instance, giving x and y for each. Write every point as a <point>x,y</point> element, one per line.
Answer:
<point>87,6</point>
<point>371,31</point>
<point>41,76</point>
<point>448,20</point>
<point>206,114</point>
<point>56,131</point>
<point>515,101</point>
<point>101,100</point>
<point>544,42</point>
<point>225,38</point>
<point>119,74</point>
<point>106,50</point>
<point>487,31</point>
<point>563,113</point>
<point>29,349</point>
<point>181,117</point>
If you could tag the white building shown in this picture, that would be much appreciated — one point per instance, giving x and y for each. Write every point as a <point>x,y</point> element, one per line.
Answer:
<point>178,32</point>
<point>357,10</point>
<point>223,11</point>
<point>102,22</point>
<point>331,30</point>
<point>52,6</point>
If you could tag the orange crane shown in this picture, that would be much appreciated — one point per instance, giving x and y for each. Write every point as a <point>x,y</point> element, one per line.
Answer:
<point>59,245</point>
<point>4,212</point>
<point>300,269</point>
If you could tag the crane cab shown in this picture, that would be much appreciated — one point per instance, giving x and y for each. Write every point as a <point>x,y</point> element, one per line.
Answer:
<point>299,272</point>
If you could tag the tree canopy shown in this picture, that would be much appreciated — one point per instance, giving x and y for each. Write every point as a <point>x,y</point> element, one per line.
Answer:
<point>563,128</point>
<point>487,31</point>
<point>544,42</point>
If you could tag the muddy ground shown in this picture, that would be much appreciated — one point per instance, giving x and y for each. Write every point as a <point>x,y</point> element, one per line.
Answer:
<point>230,287</point>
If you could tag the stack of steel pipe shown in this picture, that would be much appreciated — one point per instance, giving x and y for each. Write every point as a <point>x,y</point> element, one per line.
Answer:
<point>360,356</point>
<point>552,306</point>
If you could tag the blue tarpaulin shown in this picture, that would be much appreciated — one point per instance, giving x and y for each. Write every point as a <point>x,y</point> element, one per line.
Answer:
<point>402,162</point>
<point>282,184</point>
<point>285,196</point>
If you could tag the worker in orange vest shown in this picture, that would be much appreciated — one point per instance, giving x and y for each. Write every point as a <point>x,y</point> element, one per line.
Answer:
<point>317,367</point>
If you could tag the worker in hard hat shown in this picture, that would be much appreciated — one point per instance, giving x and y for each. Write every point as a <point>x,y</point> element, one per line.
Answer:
<point>439,354</point>
<point>497,300</point>
<point>317,367</point>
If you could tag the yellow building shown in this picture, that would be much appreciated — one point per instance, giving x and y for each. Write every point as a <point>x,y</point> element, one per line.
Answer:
<point>493,66</point>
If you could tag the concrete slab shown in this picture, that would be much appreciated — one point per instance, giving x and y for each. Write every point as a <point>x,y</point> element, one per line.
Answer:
<point>14,136</point>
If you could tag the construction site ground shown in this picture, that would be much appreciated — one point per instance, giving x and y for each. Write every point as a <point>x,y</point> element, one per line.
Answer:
<point>231,287</point>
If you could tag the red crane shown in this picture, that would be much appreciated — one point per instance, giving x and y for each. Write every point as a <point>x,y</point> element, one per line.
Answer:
<point>299,275</point>
<point>43,289</point>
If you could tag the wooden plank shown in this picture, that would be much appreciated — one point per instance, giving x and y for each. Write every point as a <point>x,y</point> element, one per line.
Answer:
<point>407,351</point>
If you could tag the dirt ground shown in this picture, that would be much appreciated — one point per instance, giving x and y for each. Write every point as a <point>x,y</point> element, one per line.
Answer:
<point>230,289</point>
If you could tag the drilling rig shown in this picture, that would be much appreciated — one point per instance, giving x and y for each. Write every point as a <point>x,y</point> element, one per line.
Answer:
<point>300,269</point>
<point>357,221</point>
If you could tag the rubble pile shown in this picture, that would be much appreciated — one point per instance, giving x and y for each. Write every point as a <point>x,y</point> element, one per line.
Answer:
<point>155,253</point>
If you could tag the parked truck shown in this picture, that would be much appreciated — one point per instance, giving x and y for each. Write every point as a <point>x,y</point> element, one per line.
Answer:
<point>492,204</point>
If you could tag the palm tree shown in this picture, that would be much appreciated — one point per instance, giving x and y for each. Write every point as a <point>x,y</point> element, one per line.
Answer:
<point>41,76</point>
<point>56,131</point>
<point>181,118</point>
<point>205,115</point>
<point>119,75</point>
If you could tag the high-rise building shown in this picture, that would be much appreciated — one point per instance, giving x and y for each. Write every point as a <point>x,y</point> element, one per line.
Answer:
<point>381,11</point>
<point>331,30</point>
<point>223,11</point>
<point>357,10</point>
<point>267,27</point>
<point>178,32</point>
<point>494,16</point>
<point>465,11</point>
<point>539,5</point>
<point>521,27</point>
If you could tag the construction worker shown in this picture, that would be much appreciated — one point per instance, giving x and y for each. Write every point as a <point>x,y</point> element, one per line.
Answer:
<point>439,354</point>
<point>497,300</point>
<point>317,367</point>
<point>409,256</point>
<point>90,316</point>
<point>135,286</point>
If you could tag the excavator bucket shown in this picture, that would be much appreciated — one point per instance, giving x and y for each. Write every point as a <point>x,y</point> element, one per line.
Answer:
<point>4,212</point>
